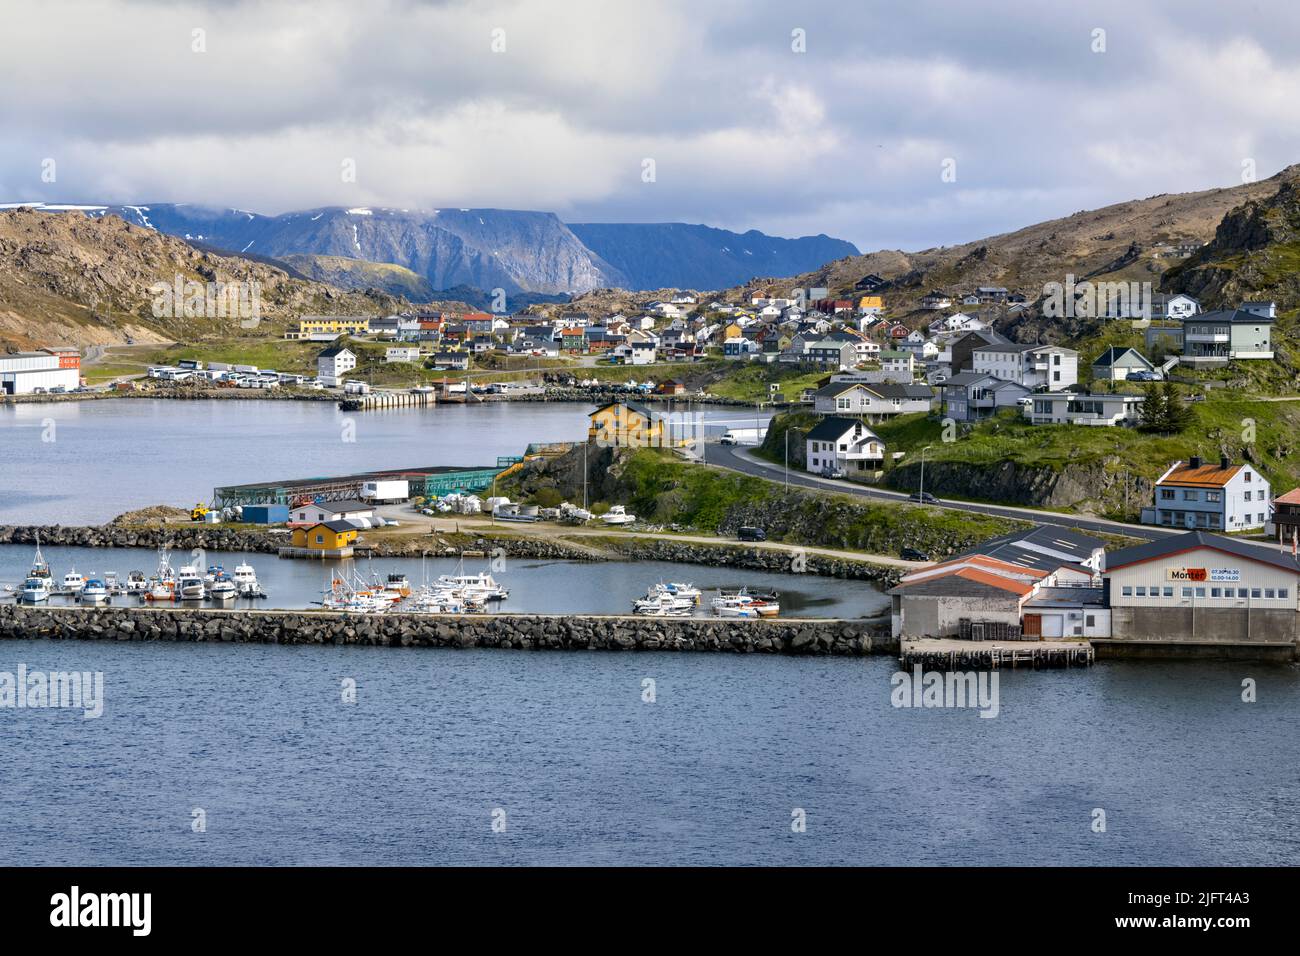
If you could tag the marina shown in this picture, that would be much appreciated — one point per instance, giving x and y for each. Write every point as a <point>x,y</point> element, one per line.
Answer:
<point>529,585</point>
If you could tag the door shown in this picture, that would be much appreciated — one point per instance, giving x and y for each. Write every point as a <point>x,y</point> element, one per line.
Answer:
<point>1033,625</point>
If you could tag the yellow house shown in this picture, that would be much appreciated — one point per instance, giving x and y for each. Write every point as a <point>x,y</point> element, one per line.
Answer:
<point>871,303</point>
<point>732,331</point>
<point>626,425</point>
<point>326,536</point>
<point>310,325</point>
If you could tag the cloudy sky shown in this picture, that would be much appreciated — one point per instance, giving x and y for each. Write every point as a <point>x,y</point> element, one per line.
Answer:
<point>261,107</point>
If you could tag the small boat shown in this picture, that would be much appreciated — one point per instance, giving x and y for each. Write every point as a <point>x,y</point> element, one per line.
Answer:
<point>663,604</point>
<point>214,571</point>
<point>617,514</point>
<point>73,582</point>
<point>481,585</point>
<point>34,590</point>
<point>398,584</point>
<point>40,569</point>
<point>189,585</point>
<point>136,583</point>
<point>245,579</point>
<point>94,591</point>
<point>678,589</point>
<point>742,604</point>
<point>113,584</point>
<point>223,589</point>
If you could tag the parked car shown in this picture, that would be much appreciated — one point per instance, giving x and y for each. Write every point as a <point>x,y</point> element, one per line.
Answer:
<point>1142,375</point>
<point>923,497</point>
<point>751,534</point>
<point>833,471</point>
<point>912,554</point>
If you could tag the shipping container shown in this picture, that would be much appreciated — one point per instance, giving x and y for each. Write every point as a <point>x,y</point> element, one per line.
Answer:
<point>266,514</point>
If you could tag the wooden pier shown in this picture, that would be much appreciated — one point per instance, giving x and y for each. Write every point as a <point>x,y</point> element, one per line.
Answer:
<point>377,400</point>
<point>946,654</point>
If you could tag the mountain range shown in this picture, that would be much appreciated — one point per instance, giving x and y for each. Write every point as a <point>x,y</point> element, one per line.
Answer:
<point>515,250</point>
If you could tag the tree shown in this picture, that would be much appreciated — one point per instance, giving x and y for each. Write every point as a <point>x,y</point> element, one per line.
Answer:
<point>1153,417</point>
<point>1177,415</point>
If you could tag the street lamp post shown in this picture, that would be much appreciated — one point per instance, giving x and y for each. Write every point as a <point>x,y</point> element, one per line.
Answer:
<point>921,491</point>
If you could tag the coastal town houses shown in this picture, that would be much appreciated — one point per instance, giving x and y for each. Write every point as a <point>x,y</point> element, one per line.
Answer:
<point>937,600</point>
<point>1033,366</point>
<point>1117,364</point>
<point>1217,497</point>
<point>875,401</point>
<point>846,445</point>
<point>1215,338</point>
<point>1083,408</point>
<point>333,363</point>
<point>627,425</point>
<point>973,396</point>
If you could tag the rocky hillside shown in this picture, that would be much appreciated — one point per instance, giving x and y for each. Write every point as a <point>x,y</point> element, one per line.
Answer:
<point>1255,254</point>
<point>655,255</point>
<point>1128,241</point>
<point>348,273</point>
<point>78,280</point>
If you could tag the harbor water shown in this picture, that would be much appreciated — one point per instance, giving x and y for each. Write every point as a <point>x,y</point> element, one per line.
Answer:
<point>564,750</point>
<point>86,462</point>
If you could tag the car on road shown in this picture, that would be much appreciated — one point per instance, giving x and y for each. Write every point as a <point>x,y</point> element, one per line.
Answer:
<point>833,471</point>
<point>727,440</point>
<point>912,554</point>
<point>751,534</point>
<point>923,497</point>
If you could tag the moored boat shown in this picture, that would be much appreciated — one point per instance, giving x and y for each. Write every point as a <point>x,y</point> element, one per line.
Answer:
<point>34,590</point>
<point>223,589</point>
<point>94,591</point>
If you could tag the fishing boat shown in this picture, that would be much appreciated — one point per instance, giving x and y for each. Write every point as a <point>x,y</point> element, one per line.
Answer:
<point>94,591</point>
<point>73,582</point>
<point>398,584</point>
<point>113,584</point>
<point>40,569</point>
<point>617,514</point>
<point>137,583</point>
<point>162,586</point>
<point>223,589</point>
<point>245,579</point>
<point>34,590</point>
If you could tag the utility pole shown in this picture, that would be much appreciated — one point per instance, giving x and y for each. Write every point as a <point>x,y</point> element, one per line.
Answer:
<point>787,458</point>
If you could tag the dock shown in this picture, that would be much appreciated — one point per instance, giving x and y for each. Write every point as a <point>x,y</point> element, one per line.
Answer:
<point>946,654</point>
<point>377,400</point>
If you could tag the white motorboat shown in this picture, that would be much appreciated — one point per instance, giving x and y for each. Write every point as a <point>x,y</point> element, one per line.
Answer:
<point>93,592</point>
<point>189,585</point>
<point>481,585</point>
<point>245,579</point>
<point>214,571</point>
<point>34,590</point>
<point>742,604</point>
<point>73,582</point>
<point>113,584</point>
<point>137,583</point>
<point>663,604</point>
<point>617,514</point>
<point>679,590</point>
<point>223,589</point>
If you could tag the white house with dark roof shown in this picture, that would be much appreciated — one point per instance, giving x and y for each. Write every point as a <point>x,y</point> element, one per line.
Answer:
<point>843,444</point>
<point>1115,364</point>
<point>1033,366</point>
<point>333,363</point>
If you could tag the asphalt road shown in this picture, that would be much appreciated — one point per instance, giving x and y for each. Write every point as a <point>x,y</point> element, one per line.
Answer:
<point>734,458</point>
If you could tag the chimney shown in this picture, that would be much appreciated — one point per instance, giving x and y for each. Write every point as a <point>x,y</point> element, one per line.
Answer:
<point>1225,462</point>
<point>1195,462</point>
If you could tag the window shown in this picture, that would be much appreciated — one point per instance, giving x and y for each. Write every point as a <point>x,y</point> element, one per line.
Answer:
<point>1268,593</point>
<point>1282,594</point>
<point>1189,495</point>
<point>1091,620</point>
<point>320,539</point>
<point>1248,476</point>
<point>1254,592</point>
<point>1187,592</point>
<point>1142,592</point>
<point>1166,494</point>
<point>1247,496</point>
<point>1216,592</point>
<point>1200,592</point>
<point>1128,591</point>
<point>1241,592</point>
<point>1214,496</point>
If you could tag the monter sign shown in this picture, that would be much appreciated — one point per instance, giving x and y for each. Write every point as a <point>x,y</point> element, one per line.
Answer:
<point>1203,574</point>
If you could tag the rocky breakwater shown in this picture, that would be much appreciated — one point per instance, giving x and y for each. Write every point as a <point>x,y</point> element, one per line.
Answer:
<point>511,631</point>
<point>180,537</point>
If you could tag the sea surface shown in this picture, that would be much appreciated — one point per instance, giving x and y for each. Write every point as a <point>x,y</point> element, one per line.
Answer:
<point>87,462</point>
<point>535,585</point>
<point>563,753</point>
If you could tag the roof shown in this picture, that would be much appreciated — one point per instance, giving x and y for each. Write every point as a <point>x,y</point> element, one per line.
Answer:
<point>969,581</point>
<point>340,507</point>
<point>338,527</point>
<point>1030,547</point>
<point>1292,497</point>
<point>890,390</point>
<point>1229,315</point>
<point>983,561</point>
<point>1180,543</point>
<point>1206,476</point>
<point>963,379</point>
<point>1114,354</point>
<point>832,428</point>
<point>334,351</point>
